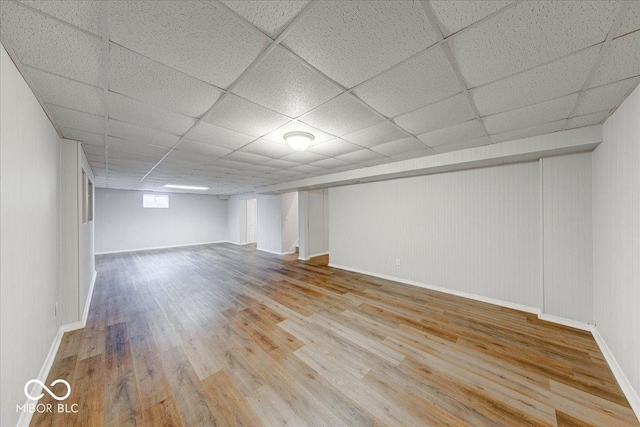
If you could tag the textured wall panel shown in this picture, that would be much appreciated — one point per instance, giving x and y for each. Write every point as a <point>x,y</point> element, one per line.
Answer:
<point>475,231</point>
<point>123,224</point>
<point>616,236</point>
<point>568,246</point>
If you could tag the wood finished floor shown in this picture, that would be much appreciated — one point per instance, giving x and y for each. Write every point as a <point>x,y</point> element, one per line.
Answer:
<point>226,335</point>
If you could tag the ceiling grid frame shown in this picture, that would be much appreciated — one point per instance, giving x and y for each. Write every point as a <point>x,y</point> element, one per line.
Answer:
<point>251,66</point>
<point>617,22</point>
<point>442,41</point>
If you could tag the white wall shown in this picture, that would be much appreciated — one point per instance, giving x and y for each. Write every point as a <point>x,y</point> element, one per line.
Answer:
<point>474,231</point>
<point>318,238</point>
<point>122,224</point>
<point>616,237</point>
<point>289,221</point>
<point>29,155</point>
<point>567,237</point>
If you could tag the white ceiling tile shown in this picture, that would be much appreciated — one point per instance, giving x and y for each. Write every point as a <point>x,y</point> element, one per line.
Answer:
<point>361,156</point>
<point>422,80</point>
<point>631,20</point>
<point>131,132</point>
<point>241,115</point>
<point>401,146</point>
<point>271,17</point>
<point>86,137</point>
<point>341,115</point>
<point>141,78</point>
<point>82,14</point>
<point>561,77</point>
<point>198,38</point>
<point>334,147</point>
<point>50,45</point>
<point>542,129</point>
<point>295,126</point>
<point>280,164</point>
<point>532,115</point>
<point>268,148</point>
<point>307,169</point>
<point>262,169</point>
<point>135,147</point>
<point>283,84</point>
<point>380,133</point>
<point>203,148</point>
<point>127,158</point>
<point>472,143</point>
<point>621,61</point>
<point>136,112</point>
<point>436,116</point>
<point>301,157</point>
<point>529,34</point>
<point>54,89</point>
<point>76,119</point>
<point>189,156</point>
<point>237,166</point>
<point>414,154</point>
<point>216,135</point>
<point>453,16</point>
<point>605,97</point>
<point>329,163</point>
<point>454,134</point>
<point>353,41</point>
<point>586,120</point>
<point>240,156</point>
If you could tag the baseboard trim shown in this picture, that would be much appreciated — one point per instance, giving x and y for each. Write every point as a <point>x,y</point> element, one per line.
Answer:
<point>25,417</point>
<point>87,303</point>
<point>274,252</point>
<point>163,247</point>
<point>475,297</point>
<point>319,254</point>
<point>628,390</point>
<point>236,243</point>
<point>566,322</point>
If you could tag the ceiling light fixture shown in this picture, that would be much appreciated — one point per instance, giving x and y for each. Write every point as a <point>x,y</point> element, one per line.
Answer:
<point>185,187</point>
<point>299,141</point>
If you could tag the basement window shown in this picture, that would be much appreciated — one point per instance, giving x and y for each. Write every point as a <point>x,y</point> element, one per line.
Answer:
<point>155,201</point>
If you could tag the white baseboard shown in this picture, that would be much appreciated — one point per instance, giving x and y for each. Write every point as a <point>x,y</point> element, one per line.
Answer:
<point>237,243</point>
<point>87,303</point>
<point>480,298</point>
<point>274,252</point>
<point>566,322</point>
<point>628,390</point>
<point>319,254</point>
<point>25,417</point>
<point>162,247</point>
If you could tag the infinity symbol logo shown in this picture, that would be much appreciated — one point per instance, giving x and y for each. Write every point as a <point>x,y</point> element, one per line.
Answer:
<point>52,394</point>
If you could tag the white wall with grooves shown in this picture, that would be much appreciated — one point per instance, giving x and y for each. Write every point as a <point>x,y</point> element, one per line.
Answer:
<point>29,194</point>
<point>122,224</point>
<point>567,237</point>
<point>616,237</point>
<point>474,231</point>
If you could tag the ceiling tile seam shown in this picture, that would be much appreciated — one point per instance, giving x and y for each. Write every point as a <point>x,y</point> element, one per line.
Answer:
<point>393,67</point>
<point>62,77</point>
<point>529,127</point>
<point>104,26</point>
<point>433,21</point>
<point>26,78</point>
<point>479,21</point>
<point>250,68</point>
<point>617,22</point>
<point>54,18</point>
<point>626,34</point>
<point>577,52</point>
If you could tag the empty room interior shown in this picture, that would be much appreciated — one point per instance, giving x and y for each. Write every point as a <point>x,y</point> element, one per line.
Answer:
<point>320,213</point>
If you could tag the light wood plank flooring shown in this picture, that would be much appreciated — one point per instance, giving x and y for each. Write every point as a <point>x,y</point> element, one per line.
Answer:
<point>226,335</point>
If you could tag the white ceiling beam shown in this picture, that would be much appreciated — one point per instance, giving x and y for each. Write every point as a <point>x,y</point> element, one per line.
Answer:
<point>521,150</point>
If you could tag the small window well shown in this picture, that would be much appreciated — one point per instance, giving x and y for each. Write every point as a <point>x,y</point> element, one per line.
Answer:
<point>155,201</point>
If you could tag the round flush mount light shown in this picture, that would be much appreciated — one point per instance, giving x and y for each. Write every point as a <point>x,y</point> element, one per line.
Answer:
<point>299,141</point>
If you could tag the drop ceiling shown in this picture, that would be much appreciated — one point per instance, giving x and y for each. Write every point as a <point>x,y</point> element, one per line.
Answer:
<point>201,92</point>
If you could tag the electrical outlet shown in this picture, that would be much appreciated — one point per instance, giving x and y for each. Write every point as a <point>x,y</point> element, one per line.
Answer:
<point>397,261</point>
